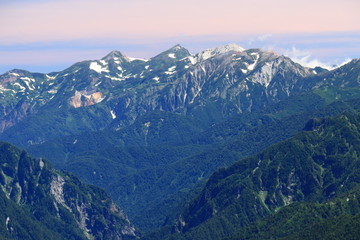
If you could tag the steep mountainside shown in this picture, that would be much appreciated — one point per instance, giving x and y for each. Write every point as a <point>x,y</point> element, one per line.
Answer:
<point>148,131</point>
<point>38,202</point>
<point>319,168</point>
<point>150,181</point>
<point>114,91</point>
<point>338,218</point>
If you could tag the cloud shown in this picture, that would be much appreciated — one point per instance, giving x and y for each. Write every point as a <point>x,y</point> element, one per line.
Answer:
<point>259,39</point>
<point>264,37</point>
<point>304,57</point>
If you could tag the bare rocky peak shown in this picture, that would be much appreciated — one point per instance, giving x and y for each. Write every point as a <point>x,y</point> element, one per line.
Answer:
<point>206,54</point>
<point>113,55</point>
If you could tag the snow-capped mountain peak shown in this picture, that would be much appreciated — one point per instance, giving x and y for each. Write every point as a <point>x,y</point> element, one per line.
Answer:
<point>211,52</point>
<point>229,47</point>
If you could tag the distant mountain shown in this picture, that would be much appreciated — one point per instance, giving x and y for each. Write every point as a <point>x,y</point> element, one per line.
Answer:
<point>150,130</point>
<point>38,202</point>
<point>314,176</point>
<point>114,91</point>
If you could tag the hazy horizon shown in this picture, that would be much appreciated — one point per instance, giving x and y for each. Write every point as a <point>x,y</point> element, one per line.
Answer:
<point>46,36</point>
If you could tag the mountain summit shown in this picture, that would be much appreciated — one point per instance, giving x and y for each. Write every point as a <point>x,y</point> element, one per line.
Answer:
<point>122,88</point>
<point>113,55</point>
<point>177,52</point>
<point>206,54</point>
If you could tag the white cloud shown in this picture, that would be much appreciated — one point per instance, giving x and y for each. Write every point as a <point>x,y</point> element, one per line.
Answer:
<point>264,37</point>
<point>260,38</point>
<point>305,58</point>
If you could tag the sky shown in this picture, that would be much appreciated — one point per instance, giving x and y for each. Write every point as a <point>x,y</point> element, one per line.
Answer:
<point>51,35</point>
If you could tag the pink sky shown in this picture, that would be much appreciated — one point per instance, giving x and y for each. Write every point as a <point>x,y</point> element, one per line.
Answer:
<point>27,22</point>
<point>127,19</point>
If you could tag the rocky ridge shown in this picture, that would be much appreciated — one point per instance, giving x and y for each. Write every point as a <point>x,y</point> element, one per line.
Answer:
<point>57,196</point>
<point>238,80</point>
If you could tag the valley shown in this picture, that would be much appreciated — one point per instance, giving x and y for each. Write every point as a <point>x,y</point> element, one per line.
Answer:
<point>214,145</point>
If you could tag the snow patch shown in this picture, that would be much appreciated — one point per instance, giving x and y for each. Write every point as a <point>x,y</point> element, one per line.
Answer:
<point>139,59</point>
<point>192,59</point>
<point>41,163</point>
<point>103,62</point>
<point>244,70</point>
<point>20,86</point>
<point>252,66</point>
<point>28,85</point>
<point>171,70</point>
<point>156,79</point>
<point>113,115</point>
<point>97,84</point>
<point>28,79</point>
<point>98,68</point>
<point>116,79</point>
<point>7,223</point>
<point>171,55</point>
<point>177,47</point>
<point>147,67</point>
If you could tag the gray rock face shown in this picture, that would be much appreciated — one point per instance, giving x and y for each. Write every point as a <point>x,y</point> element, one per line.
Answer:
<point>122,88</point>
<point>33,182</point>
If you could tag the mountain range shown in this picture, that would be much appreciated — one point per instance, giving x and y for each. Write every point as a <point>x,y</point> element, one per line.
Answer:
<point>152,131</point>
<point>229,79</point>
